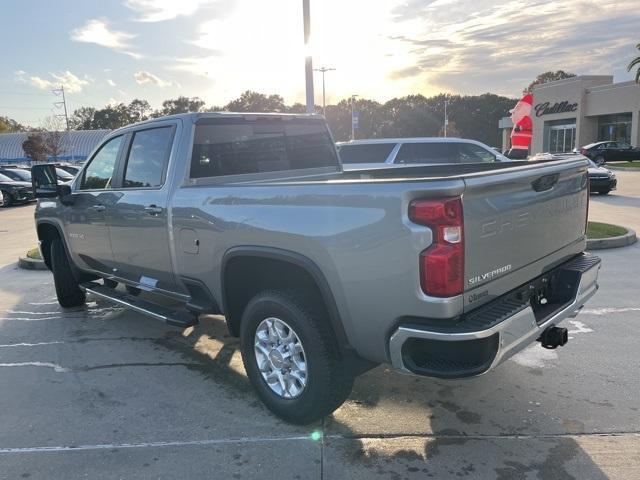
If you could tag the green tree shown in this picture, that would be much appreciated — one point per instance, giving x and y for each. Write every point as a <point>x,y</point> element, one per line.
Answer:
<point>82,118</point>
<point>256,102</point>
<point>35,148</point>
<point>635,63</point>
<point>8,125</point>
<point>180,105</point>
<point>138,110</point>
<point>549,76</point>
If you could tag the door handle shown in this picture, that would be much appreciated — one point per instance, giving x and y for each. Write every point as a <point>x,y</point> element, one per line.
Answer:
<point>98,208</point>
<point>153,210</point>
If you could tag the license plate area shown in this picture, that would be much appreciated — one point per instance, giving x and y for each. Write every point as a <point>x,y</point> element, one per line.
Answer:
<point>550,293</point>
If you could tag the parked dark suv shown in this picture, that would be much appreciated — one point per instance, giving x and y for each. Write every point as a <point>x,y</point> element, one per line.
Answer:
<point>602,152</point>
<point>601,180</point>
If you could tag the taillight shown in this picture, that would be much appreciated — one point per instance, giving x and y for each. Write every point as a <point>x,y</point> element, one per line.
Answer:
<point>442,264</point>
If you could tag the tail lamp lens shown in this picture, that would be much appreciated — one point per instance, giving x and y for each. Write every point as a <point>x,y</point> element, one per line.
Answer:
<point>442,264</point>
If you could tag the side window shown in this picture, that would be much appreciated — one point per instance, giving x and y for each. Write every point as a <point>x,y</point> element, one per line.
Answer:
<point>423,153</point>
<point>365,153</point>
<point>147,158</point>
<point>470,153</point>
<point>99,172</point>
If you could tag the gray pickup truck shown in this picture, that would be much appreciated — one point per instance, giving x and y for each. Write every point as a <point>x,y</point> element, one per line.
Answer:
<point>442,271</point>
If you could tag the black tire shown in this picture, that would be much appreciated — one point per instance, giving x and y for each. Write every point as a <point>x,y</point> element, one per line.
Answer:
<point>604,192</point>
<point>5,199</point>
<point>110,283</point>
<point>599,160</point>
<point>328,383</point>
<point>67,290</point>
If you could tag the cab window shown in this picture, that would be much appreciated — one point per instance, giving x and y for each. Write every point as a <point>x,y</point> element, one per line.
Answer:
<point>99,172</point>
<point>148,157</point>
<point>431,152</point>
<point>471,153</point>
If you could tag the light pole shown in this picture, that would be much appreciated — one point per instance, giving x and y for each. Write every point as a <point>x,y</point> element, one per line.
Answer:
<point>323,70</point>
<point>308,63</point>
<point>353,125</point>
<point>446,118</point>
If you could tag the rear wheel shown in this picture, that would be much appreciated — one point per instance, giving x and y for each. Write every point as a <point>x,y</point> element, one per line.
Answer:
<point>599,160</point>
<point>5,199</point>
<point>67,289</point>
<point>291,357</point>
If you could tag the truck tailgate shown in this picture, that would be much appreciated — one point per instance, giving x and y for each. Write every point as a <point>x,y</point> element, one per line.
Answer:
<point>520,223</point>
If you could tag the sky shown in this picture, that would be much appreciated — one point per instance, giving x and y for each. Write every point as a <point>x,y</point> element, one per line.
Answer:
<point>112,51</point>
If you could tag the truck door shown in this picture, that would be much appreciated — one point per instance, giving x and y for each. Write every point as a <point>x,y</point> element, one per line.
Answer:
<point>87,233</point>
<point>138,220</point>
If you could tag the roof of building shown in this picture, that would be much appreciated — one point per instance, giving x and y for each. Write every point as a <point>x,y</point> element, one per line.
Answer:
<point>76,144</point>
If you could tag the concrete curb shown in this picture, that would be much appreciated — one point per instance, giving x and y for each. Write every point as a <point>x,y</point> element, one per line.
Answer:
<point>612,242</point>
<point>31,264</point>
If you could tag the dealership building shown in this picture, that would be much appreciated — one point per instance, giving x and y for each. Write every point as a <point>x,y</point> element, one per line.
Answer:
<point>580,110</point>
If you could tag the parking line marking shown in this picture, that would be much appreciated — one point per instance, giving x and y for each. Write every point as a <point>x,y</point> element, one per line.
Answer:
<point>8,345</point>
<point>56,367</point>
<point>245,440</point>
<point>103,446</point>
<point>606,311</point>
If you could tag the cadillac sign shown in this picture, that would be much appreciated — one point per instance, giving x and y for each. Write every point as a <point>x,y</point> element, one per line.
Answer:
<point>559,107</point>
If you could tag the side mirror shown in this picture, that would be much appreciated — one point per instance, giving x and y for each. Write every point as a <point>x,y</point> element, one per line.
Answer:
<point>44,181</point>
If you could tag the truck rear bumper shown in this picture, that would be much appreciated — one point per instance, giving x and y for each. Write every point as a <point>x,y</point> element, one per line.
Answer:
<point>491,334</point>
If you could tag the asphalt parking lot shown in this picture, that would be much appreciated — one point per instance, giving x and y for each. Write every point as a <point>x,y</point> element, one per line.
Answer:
<point>103,392</point>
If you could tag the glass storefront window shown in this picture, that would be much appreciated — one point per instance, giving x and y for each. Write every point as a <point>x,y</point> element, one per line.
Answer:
<point>615,127</point>
<point>561,138</point>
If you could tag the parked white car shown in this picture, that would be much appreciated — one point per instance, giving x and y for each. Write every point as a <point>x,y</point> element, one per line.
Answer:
<point>384,152</point>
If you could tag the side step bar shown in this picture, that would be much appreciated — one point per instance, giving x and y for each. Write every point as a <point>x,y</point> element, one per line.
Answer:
<point>176,318</point>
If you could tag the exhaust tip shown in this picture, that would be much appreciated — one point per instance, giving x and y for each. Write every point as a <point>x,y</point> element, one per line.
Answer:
<point>554,337</point>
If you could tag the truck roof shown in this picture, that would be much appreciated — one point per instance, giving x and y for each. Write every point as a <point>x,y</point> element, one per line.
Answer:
<point>195,116</point>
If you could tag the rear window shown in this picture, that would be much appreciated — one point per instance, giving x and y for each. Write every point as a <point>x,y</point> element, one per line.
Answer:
<point>431,152</point>
<point>232,146</point>
<point>365,153</point>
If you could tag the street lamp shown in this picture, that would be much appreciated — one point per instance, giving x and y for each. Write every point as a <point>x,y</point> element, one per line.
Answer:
<point>353,124</point>
<point>446,118</point>
<point>323,70</point>
<point>308,63</point>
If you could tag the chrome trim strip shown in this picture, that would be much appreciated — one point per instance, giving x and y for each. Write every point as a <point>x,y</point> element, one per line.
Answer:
<point>515,333</point>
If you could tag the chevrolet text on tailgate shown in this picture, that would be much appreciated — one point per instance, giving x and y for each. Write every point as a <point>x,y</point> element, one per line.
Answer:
<point>440,270</point>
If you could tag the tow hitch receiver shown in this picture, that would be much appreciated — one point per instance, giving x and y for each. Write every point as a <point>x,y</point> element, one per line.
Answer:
<point>554,337</point>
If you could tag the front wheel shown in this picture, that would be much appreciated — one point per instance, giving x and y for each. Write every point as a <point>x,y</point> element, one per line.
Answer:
<point>604,192</point>
<point>67,289</point>
<point>291,357</point>
<point>5,199</point>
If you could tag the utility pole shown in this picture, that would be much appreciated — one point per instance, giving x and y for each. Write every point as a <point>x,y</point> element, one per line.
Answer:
<point>323,70</point>
<point>353,123</point>
<point>63,103</point>
<point>446,118</point>
<point>308,62</point>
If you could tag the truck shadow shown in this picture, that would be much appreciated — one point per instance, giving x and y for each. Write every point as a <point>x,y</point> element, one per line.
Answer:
<point>392,425</point>
<point>409,427</point>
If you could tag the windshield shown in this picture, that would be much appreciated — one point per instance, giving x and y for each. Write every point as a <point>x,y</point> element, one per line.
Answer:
<point>4,178</point>
<point>62,174</point>
<point>18,175</point>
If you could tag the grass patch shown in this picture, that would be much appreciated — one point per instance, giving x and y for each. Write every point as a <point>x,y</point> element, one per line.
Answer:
<point>604,230</point>
<point>634,165</point>
<point>34,253</point>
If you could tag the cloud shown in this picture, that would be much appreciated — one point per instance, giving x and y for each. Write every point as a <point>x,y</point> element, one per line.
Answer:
<point>97,31</point>
<point>161,10</point>
<point>70,82</point>
<point>143,77</point>
<point>111,82</point>
<point>472,46</point>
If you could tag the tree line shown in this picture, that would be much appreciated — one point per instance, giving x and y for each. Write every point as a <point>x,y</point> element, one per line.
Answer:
<point>470,116</point>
